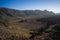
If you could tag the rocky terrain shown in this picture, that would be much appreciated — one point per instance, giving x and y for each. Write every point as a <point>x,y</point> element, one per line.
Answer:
<point>29,25</point>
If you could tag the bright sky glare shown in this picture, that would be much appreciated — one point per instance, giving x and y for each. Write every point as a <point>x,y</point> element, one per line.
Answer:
<point>51,5</point>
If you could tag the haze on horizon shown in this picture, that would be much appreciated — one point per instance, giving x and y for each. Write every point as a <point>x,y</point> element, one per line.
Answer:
<point>50,5</point>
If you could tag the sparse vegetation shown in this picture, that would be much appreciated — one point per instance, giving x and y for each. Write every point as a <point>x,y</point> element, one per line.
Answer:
<point>28,25</point>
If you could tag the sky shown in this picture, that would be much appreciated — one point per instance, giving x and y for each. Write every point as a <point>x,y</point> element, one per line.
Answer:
<point>50,5</point>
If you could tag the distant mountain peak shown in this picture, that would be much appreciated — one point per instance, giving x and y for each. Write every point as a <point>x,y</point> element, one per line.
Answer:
<point>14,12</point>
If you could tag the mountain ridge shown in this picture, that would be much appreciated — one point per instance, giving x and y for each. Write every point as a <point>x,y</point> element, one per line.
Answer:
<point>26,12</point>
